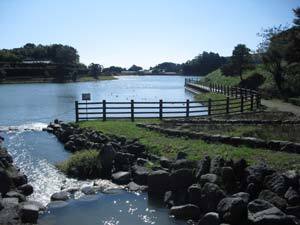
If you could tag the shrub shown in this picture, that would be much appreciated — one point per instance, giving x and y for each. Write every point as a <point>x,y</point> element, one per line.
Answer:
<point>253,81</point>
<point>83,165</point>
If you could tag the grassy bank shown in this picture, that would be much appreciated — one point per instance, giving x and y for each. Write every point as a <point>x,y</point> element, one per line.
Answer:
<point>50,80</point>
<point>169,146</point>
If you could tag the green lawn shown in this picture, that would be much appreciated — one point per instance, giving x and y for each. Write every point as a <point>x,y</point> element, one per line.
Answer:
<point>169,146</point>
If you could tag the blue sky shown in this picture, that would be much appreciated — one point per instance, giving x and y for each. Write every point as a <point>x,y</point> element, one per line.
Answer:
<point>142,32</point>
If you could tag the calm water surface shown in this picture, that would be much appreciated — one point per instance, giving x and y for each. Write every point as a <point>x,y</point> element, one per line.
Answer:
<point>32,106</point>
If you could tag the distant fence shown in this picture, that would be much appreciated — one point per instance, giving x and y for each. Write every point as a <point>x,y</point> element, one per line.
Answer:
<point>237,100</point>
<point>231,91</point>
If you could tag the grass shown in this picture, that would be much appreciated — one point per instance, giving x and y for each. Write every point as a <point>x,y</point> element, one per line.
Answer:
<point>169,146</point>
<point>218,78</point>
<point>219,107</point>
<point>84,164</point>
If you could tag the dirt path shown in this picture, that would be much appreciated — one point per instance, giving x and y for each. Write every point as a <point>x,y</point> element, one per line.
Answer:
<point>282,106</point>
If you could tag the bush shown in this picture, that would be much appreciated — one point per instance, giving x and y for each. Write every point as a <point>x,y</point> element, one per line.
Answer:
<point>83,165</point>
<point>253,81</point>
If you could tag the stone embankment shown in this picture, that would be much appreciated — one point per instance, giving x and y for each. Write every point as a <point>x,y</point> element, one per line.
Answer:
<point>212,191</point>
<point>14,206</point>
<point>274,145</point>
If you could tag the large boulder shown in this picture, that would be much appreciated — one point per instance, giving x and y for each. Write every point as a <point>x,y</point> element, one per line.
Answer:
<point>158,182</point>
<point>276,183</point>
<point>261,212</point>
<point>204,167</point>
<point>29,213</point>
<point>211,195</point>
<point>292,196</point>
<point>188,211</point>
<point>210,218</point>
<point>181,179</point>
<point>233,210</point>
<point>107,156</point>
<point>14,194</point>
<point>123,161</point>
<point>273,198</point>
<point>216,164</point>
<point>165,162</point>
<point>140,174</point>
<point>194,194</point>
<point>121,177</point>
<point>208,178</point>
<point>26,189</point>
<point>135,148</point>
<point>5,181</point>
<point>60,196</point>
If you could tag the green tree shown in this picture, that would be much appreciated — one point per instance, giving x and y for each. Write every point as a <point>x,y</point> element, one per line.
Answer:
<point>297,14</point>
<point>135,68</point>
<point>95,69</point>
<point>241,59</point>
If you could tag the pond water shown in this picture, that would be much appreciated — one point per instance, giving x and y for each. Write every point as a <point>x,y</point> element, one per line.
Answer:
<point>27,108</point>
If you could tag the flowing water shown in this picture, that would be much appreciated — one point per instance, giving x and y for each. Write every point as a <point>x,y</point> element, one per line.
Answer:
<point>27,108</point>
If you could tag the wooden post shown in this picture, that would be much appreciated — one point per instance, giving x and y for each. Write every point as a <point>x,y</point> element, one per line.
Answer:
<point>251,105</point>
<point>76,111</point>
<point>104,110</point>
<point>258,101</point>
<point>236,92</point>
<point>242,103</point>
<point>187,108</point>
<point>160,109</point>
<point>209,107</point>
<point>227,105</point>
<point>132,110</point>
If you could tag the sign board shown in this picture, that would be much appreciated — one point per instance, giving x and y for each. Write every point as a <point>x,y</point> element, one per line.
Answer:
<point>86,96</point>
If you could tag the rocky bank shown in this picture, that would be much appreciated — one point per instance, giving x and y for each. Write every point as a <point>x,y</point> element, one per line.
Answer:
<point>212,191</point>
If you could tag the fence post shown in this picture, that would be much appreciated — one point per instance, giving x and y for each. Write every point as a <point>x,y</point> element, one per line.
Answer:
<point>236,92</point>
<point>242,103</point>
<point>209,106</point>
<point>187,108</point>
<point>104,110</point>
<point>132,110</point>
<point>76,111</point>
<point>227,105</point>
<point>251,105</point>
<point>258,101</point>
<point>160,109</point>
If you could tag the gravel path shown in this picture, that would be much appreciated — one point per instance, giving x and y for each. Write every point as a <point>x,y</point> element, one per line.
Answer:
<point>282,106</point>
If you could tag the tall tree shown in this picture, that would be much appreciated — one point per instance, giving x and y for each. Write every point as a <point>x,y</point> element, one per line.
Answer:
<point>95,69</point>
<point>297,14</point>
<point>135,68</point>
<point>241,59</point>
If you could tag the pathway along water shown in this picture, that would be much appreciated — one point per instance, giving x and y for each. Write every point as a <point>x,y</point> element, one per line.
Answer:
<point>26,108</point>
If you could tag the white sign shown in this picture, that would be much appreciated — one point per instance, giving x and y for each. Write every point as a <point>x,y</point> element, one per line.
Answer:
<point>86,96</point>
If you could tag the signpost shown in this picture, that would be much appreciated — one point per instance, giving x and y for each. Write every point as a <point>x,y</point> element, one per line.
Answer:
<point>86,97</point>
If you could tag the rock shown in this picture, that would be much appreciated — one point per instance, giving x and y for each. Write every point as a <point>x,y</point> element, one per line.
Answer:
<point>123,161</point>
<point>26,189</point>
<point>40,206</point>
<point>239,168</point>
<point>181,179</point>
<point>188,211</point>
<point>141,161</point>
<point>165,162</point>
<point>216,164</point>
<point>253,190</point>
<point>292,196</point>
<point>243,195</point>
<point>261,212</point>
<point>60,196</point>
<point>212,194</point>
<point>233,210</point>
<point>107,155</point>
<point>194,194</point>
<point>70,146</point>
<point>181,155</point>
<point>228,175</point>
<point>293,210</point>
<point>29,213</point>
<point>210,178</point>
<point>88,190</point>
<point>210,218</point>
<point>158,182</point>
<point>184,164</point>
<point>121,177</point>
<point>257,173</point>
<point>140,174</point>
<point>14,194</point>
<point>9,202</point>
<point>135,187</point>
<point>135,148</point>
<point>169,199</point>
<point>204,167</point>
<point>273,198</point>
<point>1,205</point>
<point>5,181</point>
<point>276,183</point>
<point>18,179</point>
